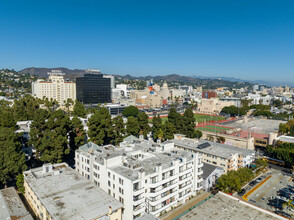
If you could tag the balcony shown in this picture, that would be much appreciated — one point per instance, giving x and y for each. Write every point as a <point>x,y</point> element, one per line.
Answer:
<point>159,210</point>
<point>185,178</point>
<point>186,171</point>
<point>137,192</point>
<point>199,180</point>
<point>159,191</point>
<point>183,188</point>
<point>138,201</point>
<point>158,183</point>
<point>138,210</point>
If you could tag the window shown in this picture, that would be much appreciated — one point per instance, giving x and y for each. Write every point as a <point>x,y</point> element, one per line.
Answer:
<point>108,174</point>
<point>109,183</point>
<point>153,179</point>
<point>113,177</point>
<point>114,195</point>
<point>113,186</point>
<point>109,192</point>
<point>121,181</point>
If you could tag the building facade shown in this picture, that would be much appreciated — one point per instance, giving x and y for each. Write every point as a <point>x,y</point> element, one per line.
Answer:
<point>224,156</point>
<point>95,88</point>
<point>210,175</point>
<point>55,88</point>
<point>146,177</point>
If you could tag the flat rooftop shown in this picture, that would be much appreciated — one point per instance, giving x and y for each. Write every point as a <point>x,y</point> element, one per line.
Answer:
<point>217,149</point>
<point>67,195</point>
<point>11,206</point>
<point>224,207</point>
<point>257,125</point>
<point>137,156</point>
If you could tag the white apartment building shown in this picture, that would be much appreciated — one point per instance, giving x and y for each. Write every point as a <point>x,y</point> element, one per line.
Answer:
<point>56,88</point>
<point>145,176</point>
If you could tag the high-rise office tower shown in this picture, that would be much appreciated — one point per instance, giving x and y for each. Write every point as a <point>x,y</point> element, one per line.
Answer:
<point>94,88</point>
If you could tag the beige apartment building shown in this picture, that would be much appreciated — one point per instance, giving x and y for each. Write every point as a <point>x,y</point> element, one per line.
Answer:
<point>55,87</point>
<point>220,155</point>
<point>57,192</point>
<point>213,105</point>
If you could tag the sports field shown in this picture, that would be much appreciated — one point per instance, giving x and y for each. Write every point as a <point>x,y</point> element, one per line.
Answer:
<point>199,118</point>
<point>213,128</point>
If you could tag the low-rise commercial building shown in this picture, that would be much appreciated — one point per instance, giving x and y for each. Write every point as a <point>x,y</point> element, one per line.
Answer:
<point>57,192</point>
<point>143,175</point>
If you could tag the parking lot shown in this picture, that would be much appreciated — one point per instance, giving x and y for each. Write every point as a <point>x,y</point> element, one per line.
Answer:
<point>268,191</point>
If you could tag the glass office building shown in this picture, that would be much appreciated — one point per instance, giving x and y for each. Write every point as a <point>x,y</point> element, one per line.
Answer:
<point>94,88</point>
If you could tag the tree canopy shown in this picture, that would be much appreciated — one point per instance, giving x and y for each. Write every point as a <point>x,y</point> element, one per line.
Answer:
<point>130,111</point>
<point>234,180</point>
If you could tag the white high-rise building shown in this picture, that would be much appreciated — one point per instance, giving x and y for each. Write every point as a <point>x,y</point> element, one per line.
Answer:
<point>55,88</point>
<point>145,176</point>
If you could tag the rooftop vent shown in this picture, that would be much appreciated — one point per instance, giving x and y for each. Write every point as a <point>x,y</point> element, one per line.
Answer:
<point>204,145</point>
<point>47,168</point>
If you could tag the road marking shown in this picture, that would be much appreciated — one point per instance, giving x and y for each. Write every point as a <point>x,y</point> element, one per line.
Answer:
<point>269,188</point>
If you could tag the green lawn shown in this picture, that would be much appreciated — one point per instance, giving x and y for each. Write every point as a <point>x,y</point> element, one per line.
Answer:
<point>208,129</point>
<point>199,118</point>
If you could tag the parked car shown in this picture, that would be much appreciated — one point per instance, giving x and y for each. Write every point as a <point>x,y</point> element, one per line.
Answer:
<point>283,214</point>
<point>252,183</point>
<point>243,191</point>
<point>258,180</point>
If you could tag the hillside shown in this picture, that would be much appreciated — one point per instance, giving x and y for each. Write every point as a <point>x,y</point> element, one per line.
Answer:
<point>42,72</point>
<point>172,79</point>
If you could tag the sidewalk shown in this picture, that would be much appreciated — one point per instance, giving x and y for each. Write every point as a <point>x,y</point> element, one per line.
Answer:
<point>179,210</point>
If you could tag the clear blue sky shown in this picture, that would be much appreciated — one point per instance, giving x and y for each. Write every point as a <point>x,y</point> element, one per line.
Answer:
<point>249,39</point>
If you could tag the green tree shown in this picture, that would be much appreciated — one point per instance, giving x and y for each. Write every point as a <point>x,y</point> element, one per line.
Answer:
<point>38,128</point>
<point>77,133</point>
<point>133,127</point>
<point>157,125</point>
<point>25,108</point>
<point>7,119</point>
<point>220,139</point>
<point>189,124</point>
<point>54,143</point>
<point>234,180</point>
<point>169,131</point>
<point>79,109</point>
<point>143,123</point>
<point>19,183</point>
<point>210,137</point>
<point>100,127</point>
<point>130,111</point>
<point>12,160</point>
<point>176,119</point>
<point>118,130</point>
<point>68,103</point>
<point>198,134</point>
<point>260,163</point>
